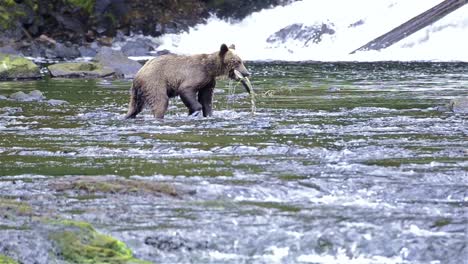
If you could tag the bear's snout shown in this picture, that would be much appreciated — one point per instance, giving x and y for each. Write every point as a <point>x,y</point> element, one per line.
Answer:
<point>243,70</point>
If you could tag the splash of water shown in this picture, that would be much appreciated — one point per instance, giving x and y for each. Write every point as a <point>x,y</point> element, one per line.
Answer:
<point>354,23</point>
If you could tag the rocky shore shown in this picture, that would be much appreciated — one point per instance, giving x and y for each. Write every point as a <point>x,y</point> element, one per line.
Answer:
<point>107,63</point>
<point>68,29</point>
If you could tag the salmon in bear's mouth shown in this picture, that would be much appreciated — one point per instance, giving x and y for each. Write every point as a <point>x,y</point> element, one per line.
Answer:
<point>238,76</point>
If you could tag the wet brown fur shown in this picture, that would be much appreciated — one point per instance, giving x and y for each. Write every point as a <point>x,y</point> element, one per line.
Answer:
<point>193,78</point>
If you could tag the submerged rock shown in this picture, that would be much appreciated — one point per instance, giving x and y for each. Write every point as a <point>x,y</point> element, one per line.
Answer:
<point>118,62</point>
<point>56,102</point>
<point>113,185</point>
<point>33,96</point>
<point>333,89</point>
<point>16,67</point>
<point>80,69</point>
<point>459,105</point>
<point>11,110</point>
<point>301,32</point>
<point>174,243</point>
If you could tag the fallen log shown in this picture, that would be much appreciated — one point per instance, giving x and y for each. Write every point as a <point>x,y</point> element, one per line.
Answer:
<point>415,24</point>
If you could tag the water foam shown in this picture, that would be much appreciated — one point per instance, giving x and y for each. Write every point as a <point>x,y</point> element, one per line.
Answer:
<point>445,40</point>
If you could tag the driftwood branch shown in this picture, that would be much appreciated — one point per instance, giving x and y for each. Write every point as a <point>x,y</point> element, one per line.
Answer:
<point>411,26</point>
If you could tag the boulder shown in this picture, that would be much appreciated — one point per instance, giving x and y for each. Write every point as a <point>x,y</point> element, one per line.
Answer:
<point>87,51</point>
<point>35,95</point>
<point>139,47</point>
<point>16,67</point>
<point>301,32</point>
<point>118,62</point>
<point>459,105</point>
<point>80,69</point>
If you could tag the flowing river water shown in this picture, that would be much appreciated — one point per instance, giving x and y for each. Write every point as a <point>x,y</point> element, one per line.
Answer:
<point>342,163</point>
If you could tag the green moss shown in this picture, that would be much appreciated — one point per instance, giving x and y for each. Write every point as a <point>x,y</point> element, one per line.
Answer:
<point>92,185</point>
<point>76,69</point>
<point>9,13</point>
<point>292,177</point>
<point>441,222</point>
<point>7,260</point>
<point>86,5</point>
<point>79,242</point>
<point>12,67</point>
<point>12,207</point>
<point>273,205</point>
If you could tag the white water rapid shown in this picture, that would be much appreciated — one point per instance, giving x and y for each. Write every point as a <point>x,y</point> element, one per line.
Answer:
<point>354,24</point>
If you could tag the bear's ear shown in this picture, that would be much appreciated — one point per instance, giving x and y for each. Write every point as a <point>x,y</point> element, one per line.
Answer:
<point>223,50</point>
<point>232,46</point>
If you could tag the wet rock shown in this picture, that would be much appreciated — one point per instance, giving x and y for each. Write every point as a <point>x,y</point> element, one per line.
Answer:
<point>114,185</point>
<point>80,69</point>
<point>86,51</point>
<point>333,89</point>
<point>139,47</point>
<point>459,105</point>
<point>26,246</point>
<point>56,102</point>
<point>16,67</point>
<point>65,51</point>
<point>11,110</point>
<point>20,96</point>
<point>79,242</point>
<point>163,52</point>
<point>118,62</point>
<point>174,243</point>
<point>301,32</point>
<point>50,50</point>
<point>35,95</point>
<point>443,108</point>
<point>9,50</point>
<point>2,97</point>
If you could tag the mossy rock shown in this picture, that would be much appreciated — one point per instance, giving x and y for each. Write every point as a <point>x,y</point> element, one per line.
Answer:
<point>7,260</point>
<point>16,67</point>
<point>13,207</point>
<point>79,242</point>
<point>105,185</point>
<point>80,70</point>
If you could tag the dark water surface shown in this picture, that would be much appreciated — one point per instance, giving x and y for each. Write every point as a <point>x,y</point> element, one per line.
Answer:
<point>342,163</point>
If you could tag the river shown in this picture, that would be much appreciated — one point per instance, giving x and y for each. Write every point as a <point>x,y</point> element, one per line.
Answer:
<point>342,163</point>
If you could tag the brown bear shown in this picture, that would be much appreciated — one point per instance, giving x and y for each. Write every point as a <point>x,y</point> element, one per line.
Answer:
<point>193,78</point>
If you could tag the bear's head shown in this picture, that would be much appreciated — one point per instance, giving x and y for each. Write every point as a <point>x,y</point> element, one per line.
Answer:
<point>232,64</point>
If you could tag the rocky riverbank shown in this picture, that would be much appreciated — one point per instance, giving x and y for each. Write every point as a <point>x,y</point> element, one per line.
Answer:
<point>107,63</point>
<point>67,29</point>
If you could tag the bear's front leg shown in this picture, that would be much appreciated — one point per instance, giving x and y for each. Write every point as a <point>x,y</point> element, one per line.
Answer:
<point>205,97</point>
<point>189,99</point>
